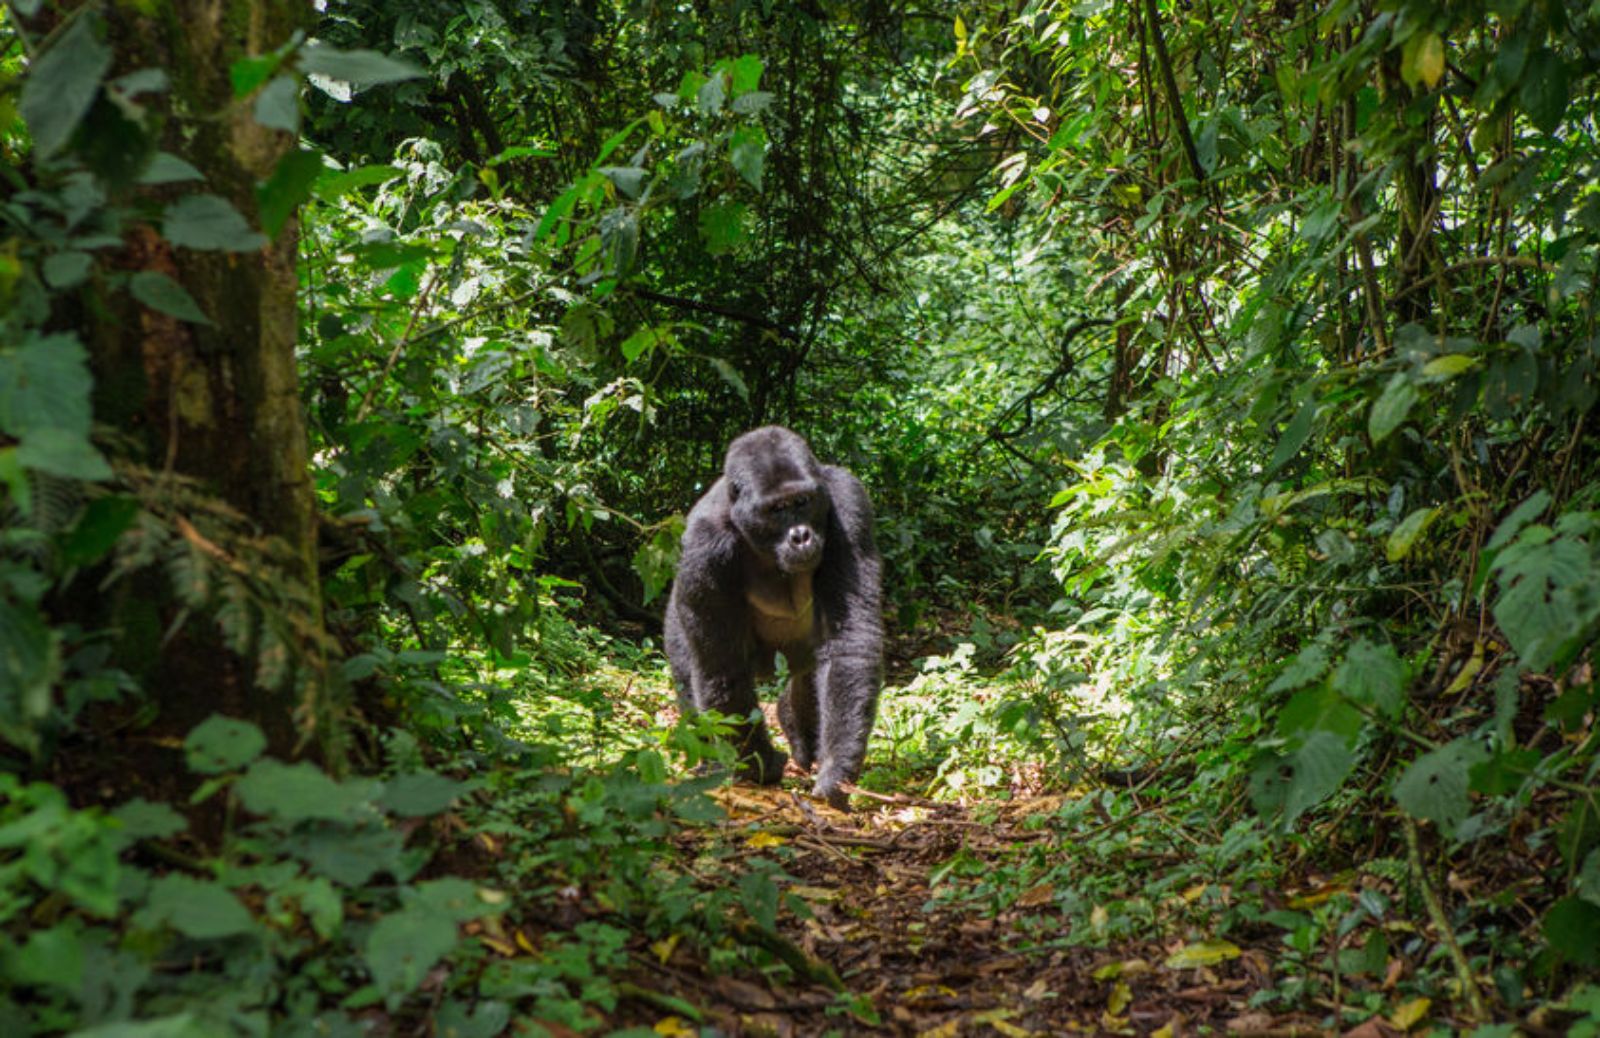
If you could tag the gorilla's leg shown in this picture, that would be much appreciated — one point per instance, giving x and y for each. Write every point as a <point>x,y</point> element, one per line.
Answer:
<point>797,709</point>
<point>849,687</point>
<point>734,695</point>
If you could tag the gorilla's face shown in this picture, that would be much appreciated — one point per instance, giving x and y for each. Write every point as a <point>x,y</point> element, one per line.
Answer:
<point>780,505</point>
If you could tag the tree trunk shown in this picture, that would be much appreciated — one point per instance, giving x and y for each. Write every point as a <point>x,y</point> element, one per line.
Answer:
<point>215,410</point>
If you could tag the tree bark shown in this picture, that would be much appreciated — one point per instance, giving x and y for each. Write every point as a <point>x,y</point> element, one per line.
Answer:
<point>217,407</point>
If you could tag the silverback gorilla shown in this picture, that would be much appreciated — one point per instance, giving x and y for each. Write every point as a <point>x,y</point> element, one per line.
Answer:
<point>778,556</point>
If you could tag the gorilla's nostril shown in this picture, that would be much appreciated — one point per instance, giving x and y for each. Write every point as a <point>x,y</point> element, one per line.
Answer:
<point>800,537</point>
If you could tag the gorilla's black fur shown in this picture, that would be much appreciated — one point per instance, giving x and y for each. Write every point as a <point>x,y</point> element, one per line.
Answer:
<point>778,556</point>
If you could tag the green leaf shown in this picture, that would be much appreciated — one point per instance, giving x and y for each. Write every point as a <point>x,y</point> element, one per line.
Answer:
<point>628,179</point>
<point>62,83</point>
<point>301,791</point>
<point>220,744</point>
<point>278,106</point>
<point>1320,766</point>
<point>66,269</point>
<point>97,530</point>
<point>350,855</point>
<point>247,73</point>
<point>744,74</point>
<point>359,68</point>
<point>731,376</point>
<point>1572,926</point>
<point>143,820</point>
<point>1294,436</point>
<point>1549,595</point>
<point>44,385</point>
<point>1520,516</point>
<point>50,958</point>
<point>1434,787</point>
<point>1544,93</point>
<point>197,908</point>
<point>208,222</point>
<point>288,188</point>
<point>164,295</point>
<point>1391,407</point>
<point>759,895</point>
<point>722,226</point>
<point>178,1025</point>
<point>404,945</point>
<point>1202,953</point>
<point>748,153</point>
<point>1406,533</point>
<point>1450,365</point>
<point>420,793</point>
<point>168,169</point>
<point>1320,709</point>
<point>1372,675</point>
<point>62,452</point>
<point>1308,664</point>
<point>335,184</point>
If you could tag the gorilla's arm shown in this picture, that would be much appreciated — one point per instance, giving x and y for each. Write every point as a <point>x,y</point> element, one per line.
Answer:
<point>710,629</point>
<point>850,656</point>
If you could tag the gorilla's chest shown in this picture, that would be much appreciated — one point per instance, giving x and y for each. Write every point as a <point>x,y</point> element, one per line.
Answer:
<point>781,611</point>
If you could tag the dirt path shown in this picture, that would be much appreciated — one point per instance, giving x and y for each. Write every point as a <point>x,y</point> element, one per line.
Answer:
<point>930,965</point>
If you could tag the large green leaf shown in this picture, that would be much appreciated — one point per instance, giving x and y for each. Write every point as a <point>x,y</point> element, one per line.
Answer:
<point>208,222</point>
<point>1391,407</point>
<point>1320,767</point>
<point>159,292</point>
<point>197,908</point>
<point>420,793</point>
<point>1544,93</point>
<point>1549,599</point>
<point>359,68</point>
<point>45,384</point>
<point>1434,787</point>
<point>290,185</point>
<point>220,744</point>
<point>1372,675</point>
<point>63,81</point>
<point>404,945</point>
<point>748,153</point>
<point>301,791</point>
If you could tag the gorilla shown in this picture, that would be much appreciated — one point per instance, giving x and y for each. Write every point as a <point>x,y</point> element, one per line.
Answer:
<point>778,556</point>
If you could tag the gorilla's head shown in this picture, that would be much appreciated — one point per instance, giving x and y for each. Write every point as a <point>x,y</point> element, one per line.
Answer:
<point>779,502</point>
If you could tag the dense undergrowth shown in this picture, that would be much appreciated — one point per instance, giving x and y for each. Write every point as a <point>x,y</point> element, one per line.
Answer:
<point>1223,376</point>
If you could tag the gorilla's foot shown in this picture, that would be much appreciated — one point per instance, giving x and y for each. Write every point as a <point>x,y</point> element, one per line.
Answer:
<point>763,767</point>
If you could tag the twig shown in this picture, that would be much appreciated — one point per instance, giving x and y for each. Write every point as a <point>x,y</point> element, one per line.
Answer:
<point>1430,897</point>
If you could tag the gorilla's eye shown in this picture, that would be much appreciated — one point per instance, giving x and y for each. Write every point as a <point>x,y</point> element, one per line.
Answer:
<point>800,502</point>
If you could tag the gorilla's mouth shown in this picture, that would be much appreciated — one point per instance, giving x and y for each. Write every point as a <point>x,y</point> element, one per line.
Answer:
<point>799,560</point>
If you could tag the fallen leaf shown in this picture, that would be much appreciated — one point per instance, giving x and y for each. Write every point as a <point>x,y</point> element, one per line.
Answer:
<point>673,1027</point>
<point>1121,968</point>
<point>948,1029</point>
<point>997,1019</point>
<point>1202,953</point>
<point>1193,893</point>
<point>1121,995</point>
<point>815,893</point>
<point>665,947</point>
<point>763,840</point>
<point>923,992</point>
<point>1411,1014</point>
<point>1038,990</point>
<point>1038,895</point>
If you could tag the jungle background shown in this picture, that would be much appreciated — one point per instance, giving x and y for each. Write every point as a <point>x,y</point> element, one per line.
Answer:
<point>1220,370</point>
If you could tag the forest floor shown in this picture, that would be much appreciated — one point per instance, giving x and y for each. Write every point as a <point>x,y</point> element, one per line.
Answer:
<point>884,952</point>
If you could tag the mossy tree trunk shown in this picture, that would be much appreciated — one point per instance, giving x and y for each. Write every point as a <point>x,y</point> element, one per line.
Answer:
<point>214,408</point>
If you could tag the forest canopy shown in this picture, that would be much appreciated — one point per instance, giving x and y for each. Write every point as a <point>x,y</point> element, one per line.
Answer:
<point>1219,372</point>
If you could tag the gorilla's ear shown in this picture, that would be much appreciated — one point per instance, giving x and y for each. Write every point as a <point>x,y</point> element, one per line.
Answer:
<point>734,489</point>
